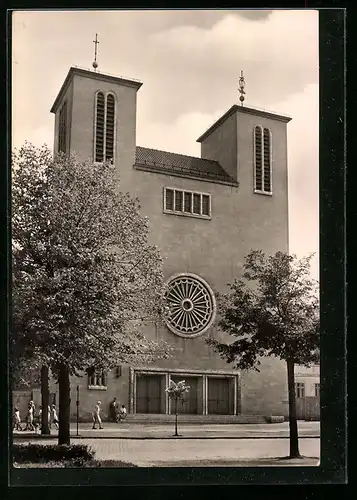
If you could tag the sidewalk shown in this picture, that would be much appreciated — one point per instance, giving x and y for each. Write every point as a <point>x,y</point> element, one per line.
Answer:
<point>186,431</point>
<point>262,462</point>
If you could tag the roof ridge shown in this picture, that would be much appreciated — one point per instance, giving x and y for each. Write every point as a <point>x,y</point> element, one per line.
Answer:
<point>179,154</point>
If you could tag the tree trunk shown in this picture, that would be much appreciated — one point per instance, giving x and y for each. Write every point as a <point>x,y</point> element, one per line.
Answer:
<point>64,405</point>
<point>294,439</point>
<point>45,396</point>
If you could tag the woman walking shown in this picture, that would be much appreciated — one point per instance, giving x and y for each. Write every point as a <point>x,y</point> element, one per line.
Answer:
<point>30,416</point>
<point>54,418</point>
<point>17,420</point>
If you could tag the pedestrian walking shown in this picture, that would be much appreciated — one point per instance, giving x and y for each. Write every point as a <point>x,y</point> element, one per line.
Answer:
<point>17,420</point>
<point>53,416</point>
<point>96,416</point>
<point>30,417</point>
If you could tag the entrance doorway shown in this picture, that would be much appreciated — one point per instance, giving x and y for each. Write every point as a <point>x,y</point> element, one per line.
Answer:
<point>219,401</point>
<point>189,405</point>
<point>149,390</point>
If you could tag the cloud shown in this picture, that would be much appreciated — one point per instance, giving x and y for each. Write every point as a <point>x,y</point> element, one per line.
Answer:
<point>303,159</point>
<point>200,66</point>
<point>189,62</point>
<point>303,168</point>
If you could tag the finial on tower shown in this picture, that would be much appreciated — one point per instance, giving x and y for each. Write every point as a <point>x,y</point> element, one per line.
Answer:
<point>241,88</point>
<point>95,64</point>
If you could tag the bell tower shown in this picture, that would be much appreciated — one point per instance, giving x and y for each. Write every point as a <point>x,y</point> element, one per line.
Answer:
<point>95,117</point>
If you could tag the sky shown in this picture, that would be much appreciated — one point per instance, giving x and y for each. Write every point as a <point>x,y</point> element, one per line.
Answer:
<point>189,62</point>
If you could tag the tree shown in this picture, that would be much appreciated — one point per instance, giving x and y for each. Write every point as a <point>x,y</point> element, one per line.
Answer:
<point>85,277</point>
<point>272,311</point>
<point>177,393</point>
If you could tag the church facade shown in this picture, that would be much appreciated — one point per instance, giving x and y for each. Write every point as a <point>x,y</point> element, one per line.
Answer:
<point>205,215</point>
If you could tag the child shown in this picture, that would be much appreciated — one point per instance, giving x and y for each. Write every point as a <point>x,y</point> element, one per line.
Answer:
<point>96,416</point>
<point>17,420</point>
<point>54,417</point>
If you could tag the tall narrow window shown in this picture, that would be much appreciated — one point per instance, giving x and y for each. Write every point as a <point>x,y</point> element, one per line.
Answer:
<point>104,127</point>
<point>267,162</point>
<point>178,201</point>
<point>262,166</point>
<point>258,159</point>
<point>62,129</point>
<point>109,130</point>
<point>196,203</point>
<point>99,128</point>
<point>188,202</point>
<point>169,199</point>
<point>205,204</point>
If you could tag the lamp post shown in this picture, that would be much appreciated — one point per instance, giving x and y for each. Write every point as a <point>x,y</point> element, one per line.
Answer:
<point>77,404</point>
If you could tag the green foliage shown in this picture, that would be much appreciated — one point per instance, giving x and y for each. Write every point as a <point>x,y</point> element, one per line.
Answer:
<point>85,277</point>
<point>77,453</point>
<point>272,311</point>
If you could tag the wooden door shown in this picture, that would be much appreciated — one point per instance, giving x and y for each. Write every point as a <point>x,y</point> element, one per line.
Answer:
<point>148,393</point>
<point>189,404</point>
<point>218,396</point>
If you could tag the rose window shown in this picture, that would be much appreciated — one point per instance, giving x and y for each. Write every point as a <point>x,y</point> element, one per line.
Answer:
<point>191,304</point>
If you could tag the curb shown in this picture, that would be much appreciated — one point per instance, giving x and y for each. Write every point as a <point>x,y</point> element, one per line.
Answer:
<point>249,463</point>
<point>157,438</point>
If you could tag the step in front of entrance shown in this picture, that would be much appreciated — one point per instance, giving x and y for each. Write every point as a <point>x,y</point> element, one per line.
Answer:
<point>151,418</point>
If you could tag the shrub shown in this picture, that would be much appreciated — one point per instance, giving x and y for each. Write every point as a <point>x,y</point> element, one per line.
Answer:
<point>48,453</point>
<point>99,464</point>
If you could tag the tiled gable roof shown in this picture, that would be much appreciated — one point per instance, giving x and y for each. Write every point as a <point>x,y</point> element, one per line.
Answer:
<point>189,166</point>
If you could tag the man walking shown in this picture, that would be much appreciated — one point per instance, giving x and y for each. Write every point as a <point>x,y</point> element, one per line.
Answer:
<point>96,416</point>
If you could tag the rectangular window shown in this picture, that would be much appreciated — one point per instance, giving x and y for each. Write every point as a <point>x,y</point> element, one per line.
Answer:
<point>96,378</point>
<point>317,390</point>
<point>169,199</point>
<point>196,203</point>
<point>188,203</point>
<point>180,202</point>
<point>300,390</point>
<point>205,204</point>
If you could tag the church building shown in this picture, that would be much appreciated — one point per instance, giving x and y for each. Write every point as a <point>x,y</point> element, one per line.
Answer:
<point>205,215</point>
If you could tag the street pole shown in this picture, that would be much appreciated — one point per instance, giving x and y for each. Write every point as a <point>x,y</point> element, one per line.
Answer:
<point>77,403</point>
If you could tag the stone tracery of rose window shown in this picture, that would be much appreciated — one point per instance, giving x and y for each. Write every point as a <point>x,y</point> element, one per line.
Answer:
<point>191,303</point>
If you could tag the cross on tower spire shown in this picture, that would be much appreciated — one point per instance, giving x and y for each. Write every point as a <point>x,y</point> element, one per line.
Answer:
<point>95,64</point>
<point>241,88</point>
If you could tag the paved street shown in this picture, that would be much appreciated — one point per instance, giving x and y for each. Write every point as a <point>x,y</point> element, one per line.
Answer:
<point>199,445</point>
<point>189,431</point>
<point>199,452</point>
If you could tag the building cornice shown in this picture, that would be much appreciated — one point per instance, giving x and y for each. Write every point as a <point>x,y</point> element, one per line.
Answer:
<point>242,109</point>
<point>94,75</point>
<point>185,175</point>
